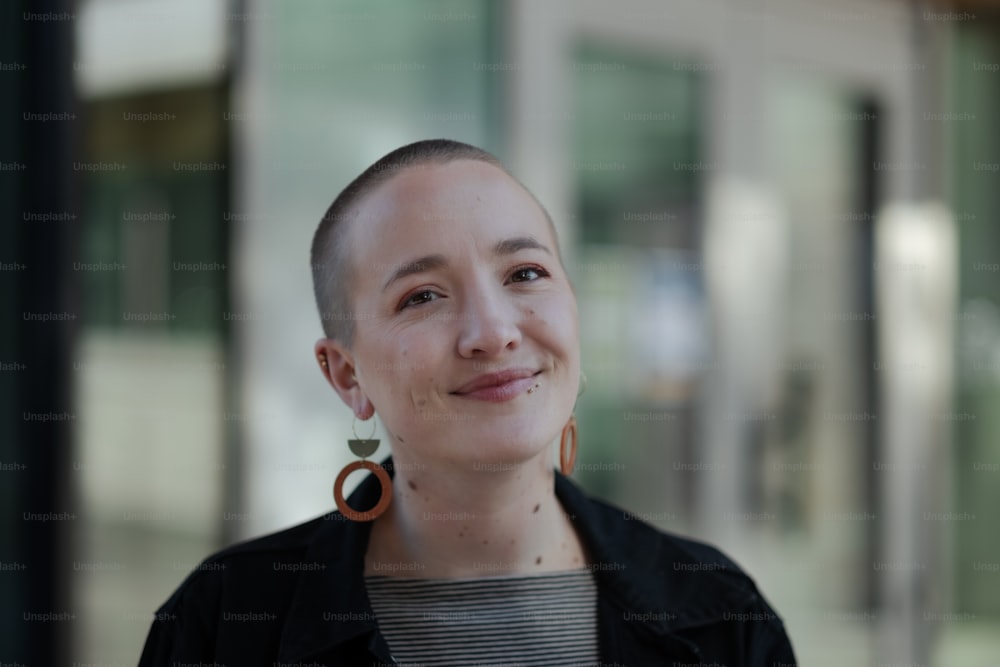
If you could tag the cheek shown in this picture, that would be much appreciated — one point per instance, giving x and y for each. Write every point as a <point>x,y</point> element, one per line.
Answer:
<point>412,371</point>
<point>556,324</point>
<point>384,366</point>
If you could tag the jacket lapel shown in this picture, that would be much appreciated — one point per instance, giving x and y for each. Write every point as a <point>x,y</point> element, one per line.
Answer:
<point>330,607</point>
<point>646,596</point>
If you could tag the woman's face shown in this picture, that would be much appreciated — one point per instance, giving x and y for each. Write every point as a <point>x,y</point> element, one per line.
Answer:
<point>462,306</point>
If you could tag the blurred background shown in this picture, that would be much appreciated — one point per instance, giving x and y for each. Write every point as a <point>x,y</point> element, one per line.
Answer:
<point>780,217</point>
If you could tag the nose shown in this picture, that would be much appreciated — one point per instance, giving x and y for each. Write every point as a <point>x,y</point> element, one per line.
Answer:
<point>488,324</point>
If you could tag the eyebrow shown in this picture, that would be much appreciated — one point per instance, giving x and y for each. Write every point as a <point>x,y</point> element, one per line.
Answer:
<point>419,265</point>
<point>518,243</point>
<point>431,262</point>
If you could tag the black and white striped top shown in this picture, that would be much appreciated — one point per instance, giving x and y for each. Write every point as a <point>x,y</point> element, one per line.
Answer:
<point>545,619</point>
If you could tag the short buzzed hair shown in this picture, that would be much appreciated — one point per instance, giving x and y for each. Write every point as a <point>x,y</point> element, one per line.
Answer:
<point>331,265</point>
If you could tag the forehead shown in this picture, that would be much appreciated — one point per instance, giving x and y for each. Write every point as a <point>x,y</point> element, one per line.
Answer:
<point>431,205</point>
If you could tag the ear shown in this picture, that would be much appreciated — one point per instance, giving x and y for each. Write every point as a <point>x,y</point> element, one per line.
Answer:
<point>337,365</point>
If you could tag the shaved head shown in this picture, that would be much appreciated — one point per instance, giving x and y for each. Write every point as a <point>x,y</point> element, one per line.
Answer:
<point>332,269</point>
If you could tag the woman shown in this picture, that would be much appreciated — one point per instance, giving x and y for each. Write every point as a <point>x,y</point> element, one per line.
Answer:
<point>448,313</point>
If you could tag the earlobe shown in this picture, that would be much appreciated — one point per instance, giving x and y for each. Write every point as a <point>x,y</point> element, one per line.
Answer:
<point>337,365</point>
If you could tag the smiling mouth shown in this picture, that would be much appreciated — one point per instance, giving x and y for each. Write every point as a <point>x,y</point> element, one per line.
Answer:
<point>498,387</point>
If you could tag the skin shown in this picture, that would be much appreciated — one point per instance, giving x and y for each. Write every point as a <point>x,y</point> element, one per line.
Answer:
<point>473,492</point>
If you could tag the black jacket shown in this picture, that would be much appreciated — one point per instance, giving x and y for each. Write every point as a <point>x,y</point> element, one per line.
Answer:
<point>297,597</point>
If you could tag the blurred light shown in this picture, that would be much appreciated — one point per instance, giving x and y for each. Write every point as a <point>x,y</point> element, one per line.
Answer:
<point>148,44</point>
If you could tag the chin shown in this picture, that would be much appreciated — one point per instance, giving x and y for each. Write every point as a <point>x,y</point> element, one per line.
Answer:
<point>513,443</point>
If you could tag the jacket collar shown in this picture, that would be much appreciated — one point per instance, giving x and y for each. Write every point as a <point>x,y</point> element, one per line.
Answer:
<point>331,606</point>
<point>651,585</point>
<point>644,578</point>
<point>647,572</point>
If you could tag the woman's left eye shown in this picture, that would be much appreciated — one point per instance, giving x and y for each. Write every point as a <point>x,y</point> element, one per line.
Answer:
<point>528,274</point>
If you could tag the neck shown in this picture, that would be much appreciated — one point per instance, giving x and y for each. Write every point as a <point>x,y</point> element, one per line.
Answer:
<point>450,522</point>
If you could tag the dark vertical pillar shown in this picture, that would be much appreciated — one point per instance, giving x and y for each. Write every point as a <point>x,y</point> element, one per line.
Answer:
<point>868,202</point>
<point>39,216</point>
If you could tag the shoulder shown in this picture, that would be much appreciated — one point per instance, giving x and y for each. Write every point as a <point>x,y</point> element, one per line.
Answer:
<point>653,549</point>
<point>256,555</point>
<point>255,576</point>
<point>683,587</point>
<point>291,540</point>
<point>670,569</point>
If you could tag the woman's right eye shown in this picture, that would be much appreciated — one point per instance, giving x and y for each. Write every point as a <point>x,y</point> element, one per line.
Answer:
<point>418,298</point>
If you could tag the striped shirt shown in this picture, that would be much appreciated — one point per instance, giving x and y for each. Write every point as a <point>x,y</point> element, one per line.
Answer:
<point>544,619</point>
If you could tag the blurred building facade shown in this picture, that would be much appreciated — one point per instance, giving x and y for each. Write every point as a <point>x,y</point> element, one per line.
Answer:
<point>778,217</point>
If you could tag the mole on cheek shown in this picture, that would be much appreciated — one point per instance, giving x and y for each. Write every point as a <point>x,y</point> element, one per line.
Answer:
<point>535,511</point>
<point>412,485</point>
<point>538,561</point>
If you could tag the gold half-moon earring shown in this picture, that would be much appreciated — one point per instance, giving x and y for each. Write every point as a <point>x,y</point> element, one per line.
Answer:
<point>363,447</point>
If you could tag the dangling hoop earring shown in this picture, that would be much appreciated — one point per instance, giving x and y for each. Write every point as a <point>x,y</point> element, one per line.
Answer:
<point>363,447</point>
<point>567,454</point>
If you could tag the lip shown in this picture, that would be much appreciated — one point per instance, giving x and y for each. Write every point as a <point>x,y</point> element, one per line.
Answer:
<point>500,386</point>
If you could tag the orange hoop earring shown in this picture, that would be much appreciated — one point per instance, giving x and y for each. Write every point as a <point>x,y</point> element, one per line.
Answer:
<point>567,456</point>
<point>383,501</point>
<point>363,447</point>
